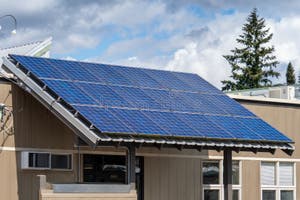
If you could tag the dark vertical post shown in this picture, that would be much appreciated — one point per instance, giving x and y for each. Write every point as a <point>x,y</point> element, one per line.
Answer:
<point>227,174</point>
<point>131,163</point>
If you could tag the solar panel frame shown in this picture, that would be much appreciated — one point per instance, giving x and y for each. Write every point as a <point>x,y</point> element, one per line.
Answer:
<point>173,84</point>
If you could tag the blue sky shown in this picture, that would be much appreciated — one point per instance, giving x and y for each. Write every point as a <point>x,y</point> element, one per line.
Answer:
<point>181,35</point>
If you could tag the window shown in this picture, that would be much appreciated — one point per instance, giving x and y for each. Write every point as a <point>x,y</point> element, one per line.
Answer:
<point>269,194</point>
<point>211,194</point>
<point>268,173</point>
<point>33,160</point>
<point>277,180</point>
<point>61,161</point>
<point>212,172</point>
<point>39,160</point>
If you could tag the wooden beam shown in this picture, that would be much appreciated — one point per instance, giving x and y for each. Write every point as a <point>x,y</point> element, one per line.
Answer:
<point>227,174</point>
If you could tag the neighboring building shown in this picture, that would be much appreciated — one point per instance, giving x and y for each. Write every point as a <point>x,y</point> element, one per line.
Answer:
<point>88,131</point>
<point>38,48</point>
<point>291,92</point>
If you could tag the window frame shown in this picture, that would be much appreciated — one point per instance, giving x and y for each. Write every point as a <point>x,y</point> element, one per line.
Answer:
<point>50,164</point>
<point>277,187</point>
<point>220,186</point>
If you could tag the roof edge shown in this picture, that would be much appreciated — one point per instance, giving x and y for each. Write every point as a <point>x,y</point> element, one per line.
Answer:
<point>264,99</point>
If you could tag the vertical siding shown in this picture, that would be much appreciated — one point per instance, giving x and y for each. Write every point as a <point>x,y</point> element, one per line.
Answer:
<point>250,180</point>
<point>172,178</point>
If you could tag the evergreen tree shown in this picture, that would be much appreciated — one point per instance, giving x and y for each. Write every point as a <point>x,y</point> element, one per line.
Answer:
<point>252,64</point>
<point>290,75</point>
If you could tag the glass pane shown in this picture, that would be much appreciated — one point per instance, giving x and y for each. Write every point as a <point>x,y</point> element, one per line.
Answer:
<point>286,195</point>
<point>268,173</point>
<point>61,161</point>
<point>268,195</point>
<point>235,195</point>
<point>211,194</point>
<point>286,174</point>
<point>235,172</point>
<point>100,168</point>
<point>210,171</point>
<point>41,160</point>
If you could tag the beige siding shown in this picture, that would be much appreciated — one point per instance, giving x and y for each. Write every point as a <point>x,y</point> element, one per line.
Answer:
<point>172,179</point>
<point>250,180</point>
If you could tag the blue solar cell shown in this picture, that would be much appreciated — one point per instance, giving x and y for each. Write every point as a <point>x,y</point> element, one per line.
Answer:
<point>106,73</point>
<point>104,95</point>
<point>136,97</point>
<point>203,126</point>
<point>229,105</point>
<point>169,100</point>
<point>73,70</point>
<point>39,67</point>
<point>196,83</point>
<point>199,103</point>
<point>160,96</point>
<point>103,119</point>
<point>70,92</point>
<point>263,129</point>
<point>173,125</point>
<point>138,77</point>
<point>234,127</point>
<point>167,79</point>
<point>139,122</point>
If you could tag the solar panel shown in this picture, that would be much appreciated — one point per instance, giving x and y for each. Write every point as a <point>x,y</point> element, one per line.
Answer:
<point>103,119</point>
<point>73,70</point>
<point>41,68</point>
<point>139,122</point>
<point>235,128</point>
<point>167,79</point>
<point>104,95</point>
<point>138,77</point>
<point>107,74</point>
<point>173,125</point>
<point>70,92</point>
<point>127,100</point>
<point>196,83</point>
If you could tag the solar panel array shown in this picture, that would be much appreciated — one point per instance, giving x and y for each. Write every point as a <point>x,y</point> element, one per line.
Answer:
<point>130,100</point>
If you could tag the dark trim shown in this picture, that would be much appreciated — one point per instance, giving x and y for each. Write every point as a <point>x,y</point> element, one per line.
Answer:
<point>227,174</point>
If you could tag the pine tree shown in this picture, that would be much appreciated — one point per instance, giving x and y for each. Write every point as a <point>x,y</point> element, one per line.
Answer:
<point>253,64</point>
<point>290,75</point>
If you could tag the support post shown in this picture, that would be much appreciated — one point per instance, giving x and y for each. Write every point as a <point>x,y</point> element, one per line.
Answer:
<point>131,163</point>
<point>227,174</point>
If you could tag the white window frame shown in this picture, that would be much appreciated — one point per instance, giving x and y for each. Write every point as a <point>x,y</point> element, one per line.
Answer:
<point>220,186</point>
<point>50,156</point>
<point>277,188</point>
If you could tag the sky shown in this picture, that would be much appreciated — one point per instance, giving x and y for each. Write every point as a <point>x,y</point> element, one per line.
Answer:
<point>179,35</point>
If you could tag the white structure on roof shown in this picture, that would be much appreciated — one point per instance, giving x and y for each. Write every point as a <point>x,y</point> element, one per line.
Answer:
<point>38,48</point>
<point>290,92</point>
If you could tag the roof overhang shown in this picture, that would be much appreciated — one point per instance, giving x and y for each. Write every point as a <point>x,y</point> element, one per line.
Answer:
<point>94,137</point>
